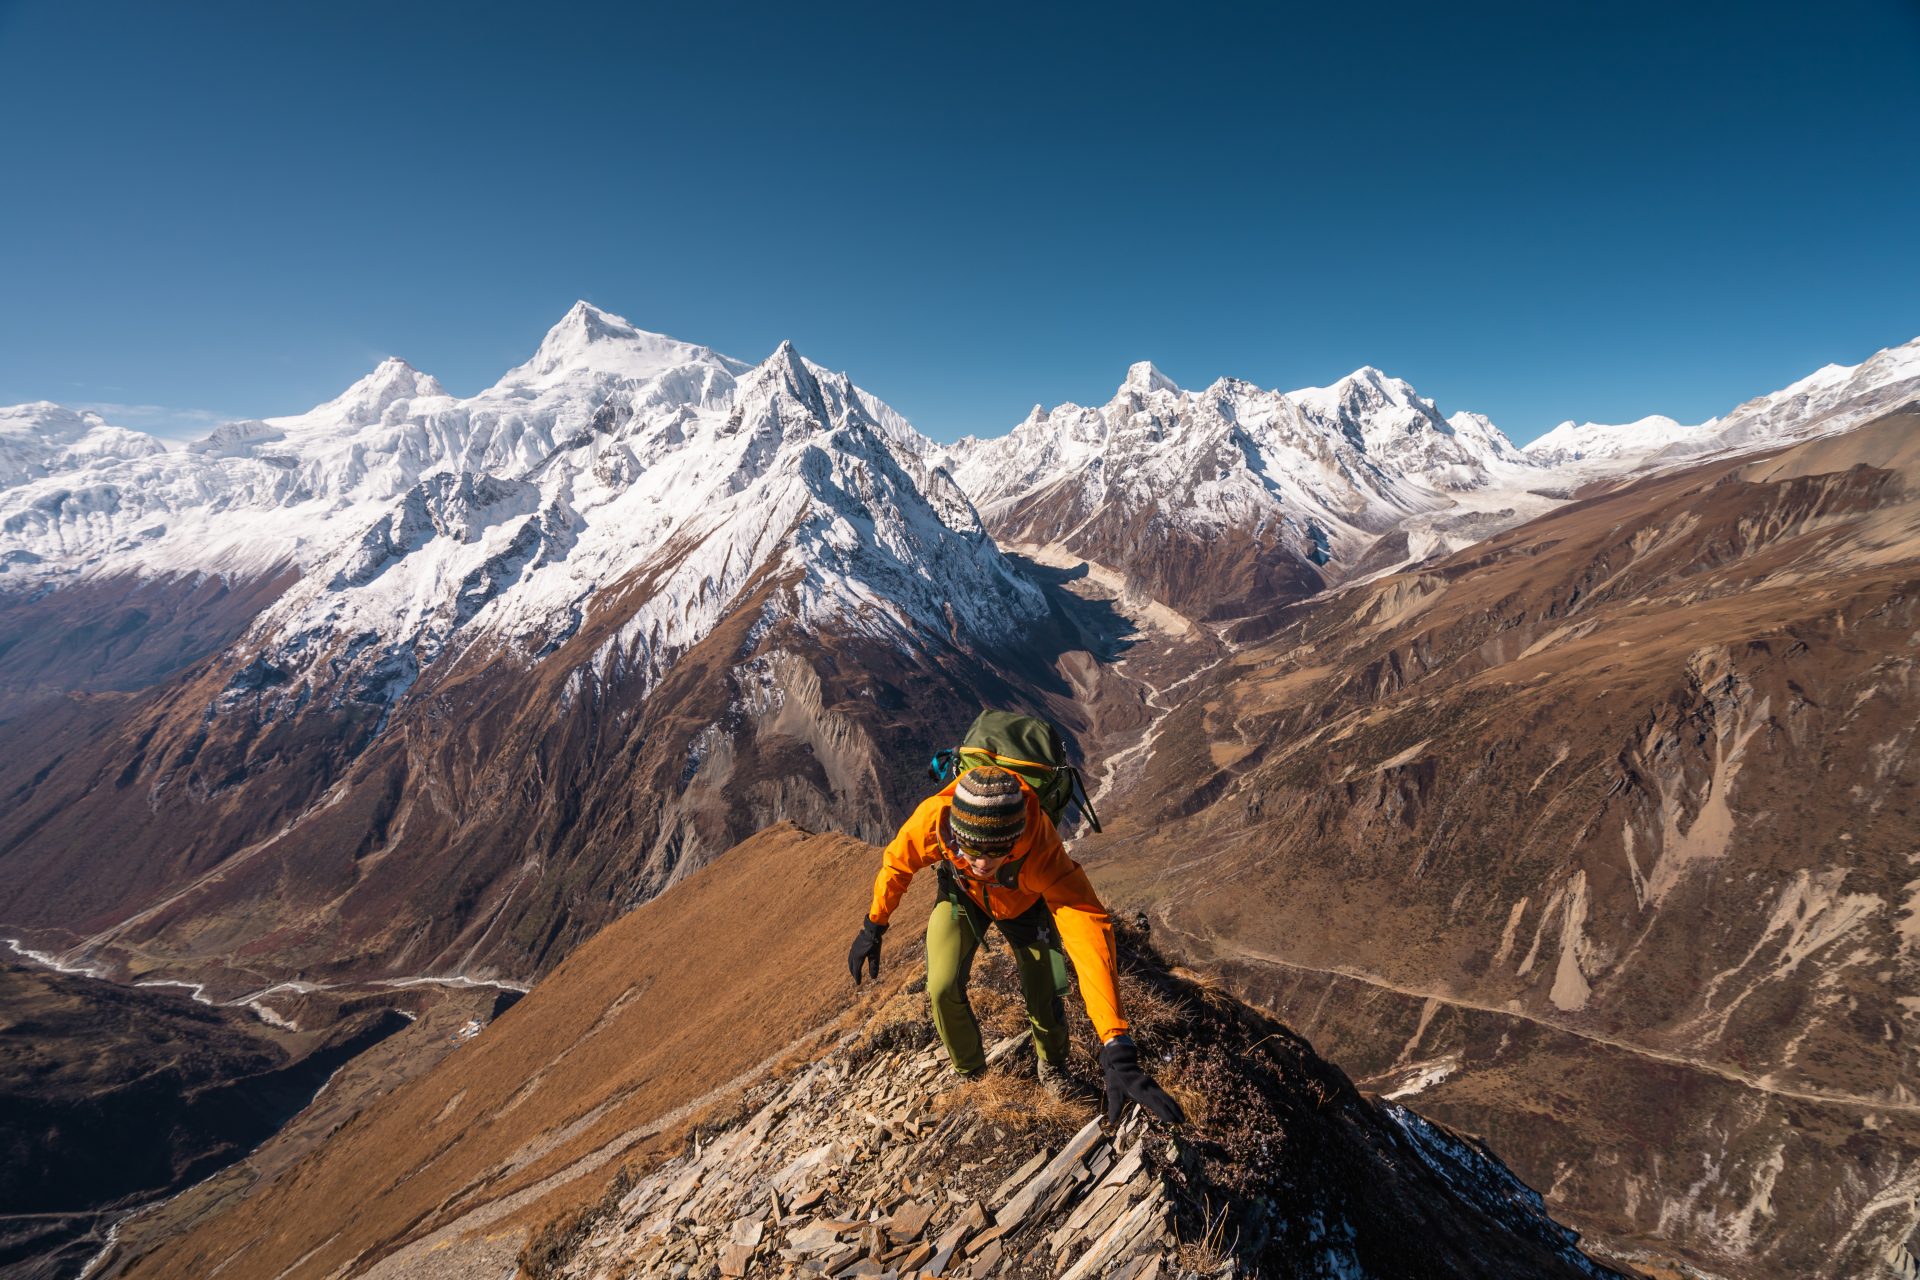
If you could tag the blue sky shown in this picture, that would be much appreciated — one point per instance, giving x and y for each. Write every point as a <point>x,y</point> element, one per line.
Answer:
<point>1534,209</point>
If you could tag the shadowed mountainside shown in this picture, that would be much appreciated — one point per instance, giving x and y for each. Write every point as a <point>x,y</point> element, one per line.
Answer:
<point>111,1096</point>
<point>118,634</point>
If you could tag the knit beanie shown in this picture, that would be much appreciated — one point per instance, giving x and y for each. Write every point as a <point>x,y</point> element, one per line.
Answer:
<point>989,809</point>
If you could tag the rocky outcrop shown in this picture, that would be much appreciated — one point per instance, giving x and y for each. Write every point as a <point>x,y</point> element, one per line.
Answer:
<point>867,1165</point>
<point>874,1160</point>
<point>841,1173</point>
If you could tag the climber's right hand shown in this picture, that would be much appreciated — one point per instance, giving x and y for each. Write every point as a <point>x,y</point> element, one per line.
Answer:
<point>1120,1063</point>
<point>866,950</point>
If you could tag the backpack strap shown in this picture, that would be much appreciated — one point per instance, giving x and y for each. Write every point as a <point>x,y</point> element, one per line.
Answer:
<point>1081,798</point>
<point>1008,876</point>
<point>958,899</point>
<point>1015,760</point>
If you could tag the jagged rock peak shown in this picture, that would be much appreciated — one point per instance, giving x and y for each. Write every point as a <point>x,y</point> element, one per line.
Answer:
<point>787,371</point>
<point>786,356</point>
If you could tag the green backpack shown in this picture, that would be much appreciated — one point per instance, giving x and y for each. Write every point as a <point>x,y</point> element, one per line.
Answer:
<point>1025,745</point>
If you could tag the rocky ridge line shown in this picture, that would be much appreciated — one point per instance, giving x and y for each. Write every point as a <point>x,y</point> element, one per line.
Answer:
<point>841,1142</point>
<point>875,1161</point>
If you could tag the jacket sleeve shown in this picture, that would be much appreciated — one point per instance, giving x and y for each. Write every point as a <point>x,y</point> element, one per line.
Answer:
<point>909,851</point>
<point>1086,930</point>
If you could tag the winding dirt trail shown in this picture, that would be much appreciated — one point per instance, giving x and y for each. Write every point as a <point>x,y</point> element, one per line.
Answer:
<point>1228,947</point>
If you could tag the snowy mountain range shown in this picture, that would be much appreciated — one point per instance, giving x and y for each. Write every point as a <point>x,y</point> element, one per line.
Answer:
<point>613,454</point>
<point>418,520</point>
<point>1235,495</point>
<point>1829,400</point>
<point>1185,492</point>
<point>561,641</point>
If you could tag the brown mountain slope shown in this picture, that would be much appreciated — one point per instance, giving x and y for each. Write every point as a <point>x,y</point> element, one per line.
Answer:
<point>666,1004</point>
<point>1204,573</point>
<point>740,964</point>
<point>1599,837</point>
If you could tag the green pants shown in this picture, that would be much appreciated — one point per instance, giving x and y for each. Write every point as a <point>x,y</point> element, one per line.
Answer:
<point>952,938</point>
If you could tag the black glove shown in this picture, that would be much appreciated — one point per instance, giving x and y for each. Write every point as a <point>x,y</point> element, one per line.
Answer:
<point>1120,1062</point>
<point>866,949</point>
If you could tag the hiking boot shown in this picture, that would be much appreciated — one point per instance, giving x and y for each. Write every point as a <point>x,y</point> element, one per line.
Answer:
<point>1055,1079</point>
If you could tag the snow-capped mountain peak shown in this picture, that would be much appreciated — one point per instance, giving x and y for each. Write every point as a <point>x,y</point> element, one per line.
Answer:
<point>590,344</point>
<point>1829,399</point>
<point>1362,393</point>
<point>791,397</point>
<point>1477,432</point>
<point>1574,441</point>
<point>1396,426</point>
<point>1143,378</point>
<point>366,402</point>
<point>44,438</point>
<point>47,421</point>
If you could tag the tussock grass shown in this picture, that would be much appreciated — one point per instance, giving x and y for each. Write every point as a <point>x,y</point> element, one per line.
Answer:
<point>1011,1098</point>
<point>1196,1102</point>
<point>1210,987</point>
<point>1151,1007</point>
<point>1210,1252</point>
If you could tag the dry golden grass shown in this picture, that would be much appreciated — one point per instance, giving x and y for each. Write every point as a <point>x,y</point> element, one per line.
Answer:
<point>1014,1100</point>
<point>1192,1101</point>
<point>1149,1009</point>
<point>903,1003</point>
<point>1212,1252</point>
<point>1210,987</point>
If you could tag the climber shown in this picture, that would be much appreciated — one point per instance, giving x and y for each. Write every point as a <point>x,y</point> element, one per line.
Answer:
<point>1000,860</point>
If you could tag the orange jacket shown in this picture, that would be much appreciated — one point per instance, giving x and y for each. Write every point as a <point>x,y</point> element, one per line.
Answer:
<point>1086,930</point>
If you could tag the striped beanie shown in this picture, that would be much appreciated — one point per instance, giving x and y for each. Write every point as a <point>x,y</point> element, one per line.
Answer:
<point>989,809</point>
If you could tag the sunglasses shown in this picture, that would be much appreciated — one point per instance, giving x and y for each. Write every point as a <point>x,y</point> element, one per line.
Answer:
<point>977,855</point>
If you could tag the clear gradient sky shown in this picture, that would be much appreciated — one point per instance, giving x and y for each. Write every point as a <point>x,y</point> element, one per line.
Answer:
<point>1537,209</point>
